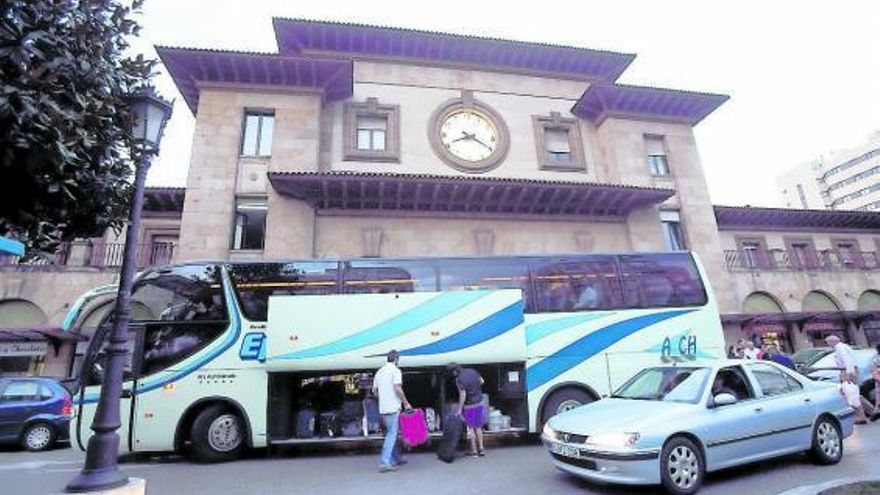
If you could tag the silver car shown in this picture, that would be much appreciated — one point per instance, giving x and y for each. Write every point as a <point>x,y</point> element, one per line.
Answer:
<point>671,424</point>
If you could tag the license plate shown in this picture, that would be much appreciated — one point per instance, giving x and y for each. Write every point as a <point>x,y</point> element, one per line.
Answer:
<point>566,450</point>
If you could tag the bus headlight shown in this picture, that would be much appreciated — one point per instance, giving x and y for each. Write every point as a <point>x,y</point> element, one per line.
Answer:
<point>614,440</point>
<point>549,432</point>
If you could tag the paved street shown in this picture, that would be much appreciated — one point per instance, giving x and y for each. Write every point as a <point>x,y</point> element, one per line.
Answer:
<point>516,468</point>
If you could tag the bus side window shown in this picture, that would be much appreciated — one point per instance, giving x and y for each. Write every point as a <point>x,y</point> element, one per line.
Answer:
<point>591,283</point>
<point>389,276</point>
<point>168,344</point>
<point>486,274</point>
<point>255,282</point>
<point>661,280</point>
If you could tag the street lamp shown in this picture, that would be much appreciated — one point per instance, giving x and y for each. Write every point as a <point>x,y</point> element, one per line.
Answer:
<point>101,472</point>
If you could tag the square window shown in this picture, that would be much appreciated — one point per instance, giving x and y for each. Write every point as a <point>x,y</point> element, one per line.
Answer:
<point>558,142</point>
<point>655,150</point>
<point>372,132</point>
<point>257,135</point>
<point>250,224</point>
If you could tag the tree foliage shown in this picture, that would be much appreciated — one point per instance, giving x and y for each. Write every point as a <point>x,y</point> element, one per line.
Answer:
<point>65,138</point>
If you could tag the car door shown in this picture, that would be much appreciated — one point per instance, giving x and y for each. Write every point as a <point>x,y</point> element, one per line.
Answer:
<point>730,431</point>
<point>787,412</point>
<point>16,406</point>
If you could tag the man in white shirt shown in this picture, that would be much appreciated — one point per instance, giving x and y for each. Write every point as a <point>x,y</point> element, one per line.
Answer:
<point>749,352</point>
<point>843,357</point>
<point>388,385</point>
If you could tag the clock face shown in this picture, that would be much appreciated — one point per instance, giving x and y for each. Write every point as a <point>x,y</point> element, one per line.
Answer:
<point>469,135</point>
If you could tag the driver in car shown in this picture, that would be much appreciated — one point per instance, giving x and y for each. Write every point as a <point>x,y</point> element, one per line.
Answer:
<point>720,387</point>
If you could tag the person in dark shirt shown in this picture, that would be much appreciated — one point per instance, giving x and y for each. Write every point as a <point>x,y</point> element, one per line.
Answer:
<point>774,355</point>
<point>470,393</point>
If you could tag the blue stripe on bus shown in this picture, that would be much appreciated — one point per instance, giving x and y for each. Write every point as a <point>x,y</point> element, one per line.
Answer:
<point>540,330</point>
<point>486,329</point>
<point>589,345</point>
<point>412,319</point>
<point>231,337</point>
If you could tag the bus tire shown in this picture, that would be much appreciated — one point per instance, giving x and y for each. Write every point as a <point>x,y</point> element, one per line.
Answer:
<point>218,434</point>
<point>563,400</point>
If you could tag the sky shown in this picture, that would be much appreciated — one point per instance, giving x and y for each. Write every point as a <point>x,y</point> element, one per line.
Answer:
<point>803,76</point>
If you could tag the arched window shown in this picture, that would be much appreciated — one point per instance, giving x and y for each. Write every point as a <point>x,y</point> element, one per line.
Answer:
<point>761,302</point>
<point>819,302</point>
<point>17,313</point>
<point>869,301</point>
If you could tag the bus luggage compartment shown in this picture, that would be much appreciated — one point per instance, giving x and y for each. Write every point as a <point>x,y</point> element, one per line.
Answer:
<point>355,331</point>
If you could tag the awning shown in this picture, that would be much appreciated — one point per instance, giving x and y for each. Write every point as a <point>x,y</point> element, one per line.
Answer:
<point>800,317</point>
<point>39,334</point>
<point>748,217</point>
<point>190,67</point>
<point>603,100</point>
<point>454,194</point>
<point>33,341</point>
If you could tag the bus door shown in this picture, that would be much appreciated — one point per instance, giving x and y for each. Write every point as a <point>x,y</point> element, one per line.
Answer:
<point>92,376</point>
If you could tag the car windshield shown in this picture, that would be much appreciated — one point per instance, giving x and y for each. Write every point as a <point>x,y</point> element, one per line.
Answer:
<point>671,384</point>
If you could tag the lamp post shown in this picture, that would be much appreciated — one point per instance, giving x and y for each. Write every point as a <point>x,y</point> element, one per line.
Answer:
<point>101,472</point>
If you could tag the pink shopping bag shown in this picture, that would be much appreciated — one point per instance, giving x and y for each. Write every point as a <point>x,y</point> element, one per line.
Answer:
<point>413,430</point>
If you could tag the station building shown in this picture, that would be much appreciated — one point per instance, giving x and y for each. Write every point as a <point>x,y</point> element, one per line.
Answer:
<point>354,140</point>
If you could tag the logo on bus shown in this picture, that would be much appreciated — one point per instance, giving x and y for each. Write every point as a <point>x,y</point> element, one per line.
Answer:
<point>253,347</point>
<point>679,348</point>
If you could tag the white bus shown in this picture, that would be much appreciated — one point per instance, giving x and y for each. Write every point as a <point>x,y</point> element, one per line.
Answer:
<point>226,356</point>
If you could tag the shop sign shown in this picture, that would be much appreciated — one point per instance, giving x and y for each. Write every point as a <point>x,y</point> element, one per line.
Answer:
<point>12,349</point>
<point>828,326</point>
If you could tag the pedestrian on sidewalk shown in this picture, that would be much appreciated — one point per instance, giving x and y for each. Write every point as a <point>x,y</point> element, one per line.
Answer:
<point>470,407</point>
<point>843,357</point>
<point>388,386</point>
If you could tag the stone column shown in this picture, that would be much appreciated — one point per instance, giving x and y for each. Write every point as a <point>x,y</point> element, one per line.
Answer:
<point>855,334</point>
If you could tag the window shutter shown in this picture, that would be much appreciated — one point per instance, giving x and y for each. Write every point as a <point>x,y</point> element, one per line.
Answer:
<point>557,141</point>
<point>654,146</point>
<point>374,123</point>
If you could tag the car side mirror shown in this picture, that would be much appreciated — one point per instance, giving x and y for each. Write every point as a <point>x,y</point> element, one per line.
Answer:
<point>723,399</point>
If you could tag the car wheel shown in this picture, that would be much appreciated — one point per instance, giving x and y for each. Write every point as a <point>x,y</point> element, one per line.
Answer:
<point>563,400</point>
<point>38,437</point>
<point>218,435</point>
<point>681,466</point>
<point>827,442</point>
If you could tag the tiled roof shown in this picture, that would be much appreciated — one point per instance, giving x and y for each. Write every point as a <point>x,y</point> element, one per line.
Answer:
<point>602,100</point>
<point>302,35</point>
<point>750,217</point>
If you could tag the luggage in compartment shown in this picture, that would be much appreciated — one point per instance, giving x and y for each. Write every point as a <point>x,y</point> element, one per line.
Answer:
<point>431,419</point>
<point>452,426</point>
<point>305,423</point>
<point>351,410</point>
<point>371,409</point>
<point>352,428</point>
<point>328,424</point>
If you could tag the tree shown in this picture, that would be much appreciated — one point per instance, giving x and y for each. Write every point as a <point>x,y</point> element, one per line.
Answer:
<point>65,138</point>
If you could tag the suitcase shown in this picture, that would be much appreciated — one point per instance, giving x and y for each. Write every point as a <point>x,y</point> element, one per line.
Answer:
<point>305,423</point>
<point>351,410</point>
<point>452,427</point>
<point>352,428</point>
<point>371,409</point>
<point>327,424</point>
<point>413,430</point>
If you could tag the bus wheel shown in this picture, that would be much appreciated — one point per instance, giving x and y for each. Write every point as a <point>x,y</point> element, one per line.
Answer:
<point>218,434</point>
<point>563,400</point>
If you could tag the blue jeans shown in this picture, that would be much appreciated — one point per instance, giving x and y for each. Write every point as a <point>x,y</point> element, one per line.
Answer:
<point>391,448</point>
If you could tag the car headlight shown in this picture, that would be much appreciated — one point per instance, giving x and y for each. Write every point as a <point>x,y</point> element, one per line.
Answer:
<point>618,440</point>
<point>549,432</point>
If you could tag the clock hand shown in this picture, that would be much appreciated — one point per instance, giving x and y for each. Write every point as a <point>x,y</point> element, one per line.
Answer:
<point>463,137</point>
<point>474,137</point>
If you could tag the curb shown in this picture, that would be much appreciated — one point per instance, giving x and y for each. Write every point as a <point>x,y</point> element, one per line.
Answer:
<point>814,489</point>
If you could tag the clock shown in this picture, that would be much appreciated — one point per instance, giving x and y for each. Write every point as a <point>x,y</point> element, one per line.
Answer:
<point>468,135</point>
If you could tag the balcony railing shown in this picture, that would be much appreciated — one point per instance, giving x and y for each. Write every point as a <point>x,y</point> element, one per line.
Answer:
<point>782,259</point>
<point>98,255</point>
